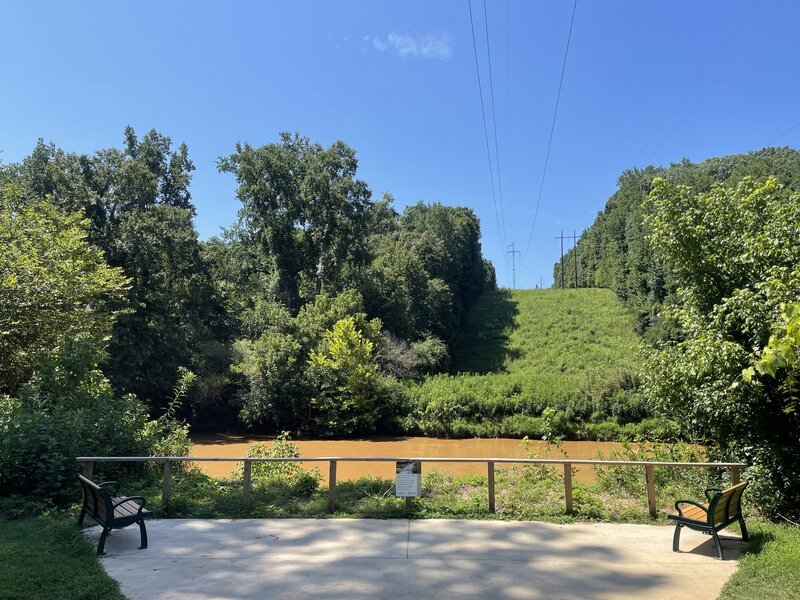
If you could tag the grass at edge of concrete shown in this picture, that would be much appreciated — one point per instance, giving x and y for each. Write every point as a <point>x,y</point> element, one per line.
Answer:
<point>47,558</point>
<point>770,568</point>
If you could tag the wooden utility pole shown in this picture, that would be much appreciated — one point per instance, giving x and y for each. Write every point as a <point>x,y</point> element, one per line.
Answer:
<point>512,252</point>
<point>561,237</point>
<point>575,252</point>
<point>574,239</point>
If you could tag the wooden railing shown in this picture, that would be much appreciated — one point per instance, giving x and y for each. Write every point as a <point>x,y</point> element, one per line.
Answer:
<point>247,492</point>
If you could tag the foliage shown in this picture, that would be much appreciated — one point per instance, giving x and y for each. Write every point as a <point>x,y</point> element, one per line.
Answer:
<point>46,557</point>
<point>139,212</point>
<point>303,206</point>
<point>736,264</point>
<point>572,352</point>
<point>616,253</point>
<point>53,284</point>
<point>346,382</point>
<point>177,318</point>
<point>300,481</point>
<point>278,390</point>
<point>67,409</point>
<point>780,359</point>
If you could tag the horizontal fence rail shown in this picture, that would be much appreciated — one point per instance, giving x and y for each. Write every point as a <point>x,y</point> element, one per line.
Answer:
<point>247,494</point>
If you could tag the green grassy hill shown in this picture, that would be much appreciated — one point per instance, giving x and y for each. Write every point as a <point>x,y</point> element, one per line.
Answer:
<point>540,363</point>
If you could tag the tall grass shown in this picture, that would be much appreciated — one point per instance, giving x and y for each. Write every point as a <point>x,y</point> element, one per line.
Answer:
<point>539,363</point>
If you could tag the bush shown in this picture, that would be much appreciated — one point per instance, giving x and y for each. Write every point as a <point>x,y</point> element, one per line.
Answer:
<point>68,409</point>
<point>303,483</point>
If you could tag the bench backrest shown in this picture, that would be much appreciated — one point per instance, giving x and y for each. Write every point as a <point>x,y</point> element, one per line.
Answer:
<point>726,505</point>
<point>96,500</point>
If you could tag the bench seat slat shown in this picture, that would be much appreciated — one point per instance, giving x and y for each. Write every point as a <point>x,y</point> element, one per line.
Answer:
<point>695,513</point>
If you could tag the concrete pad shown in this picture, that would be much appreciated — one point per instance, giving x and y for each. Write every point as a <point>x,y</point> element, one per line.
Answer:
<point>352,558</point>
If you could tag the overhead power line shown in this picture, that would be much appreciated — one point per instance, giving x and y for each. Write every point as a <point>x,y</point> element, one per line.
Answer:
<point>785,133</point>
<point>696,83</point>
<point>552,128</point>
<point>494,116</point>
<point>486,130</point>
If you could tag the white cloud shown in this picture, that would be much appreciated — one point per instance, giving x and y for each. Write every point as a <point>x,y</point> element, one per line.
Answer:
<point>407,45</point>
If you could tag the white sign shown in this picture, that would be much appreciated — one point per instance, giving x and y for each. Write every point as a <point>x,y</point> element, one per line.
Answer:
<point>409,479</point>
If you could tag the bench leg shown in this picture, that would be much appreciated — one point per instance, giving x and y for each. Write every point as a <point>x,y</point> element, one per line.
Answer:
<point>717,544</point>
<point>745,535</point>
<point>81,517</point>
<point>676,538</point>
<point>102,543</point>
<point>143,532</point>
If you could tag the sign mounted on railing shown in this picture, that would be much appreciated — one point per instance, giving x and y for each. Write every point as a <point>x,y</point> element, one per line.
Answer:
<point>408,480</point>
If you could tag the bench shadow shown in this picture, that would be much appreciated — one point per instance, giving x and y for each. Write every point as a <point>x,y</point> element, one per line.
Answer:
<point>482,345</point>
<point>732,547</point>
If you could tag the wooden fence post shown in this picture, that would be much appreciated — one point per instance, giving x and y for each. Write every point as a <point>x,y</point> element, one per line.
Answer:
<point>650,478</point>
<point>568,487</point>
<point>88,469</point>
<point>165,485</point>
<point>736,475</point>
<point>247,494</point>
<point>490,473</point>
<point>332,487</point>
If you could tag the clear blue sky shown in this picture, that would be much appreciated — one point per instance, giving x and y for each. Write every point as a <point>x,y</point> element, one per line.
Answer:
<point>396,80</point>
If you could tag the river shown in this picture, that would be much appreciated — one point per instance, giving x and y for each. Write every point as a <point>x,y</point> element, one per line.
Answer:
<point>231,445</point>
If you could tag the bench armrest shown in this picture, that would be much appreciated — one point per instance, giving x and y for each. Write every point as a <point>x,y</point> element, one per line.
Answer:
<point>111,484</point>
<point>710,492</point>
<point>692,502</point>
<point>141,499</point>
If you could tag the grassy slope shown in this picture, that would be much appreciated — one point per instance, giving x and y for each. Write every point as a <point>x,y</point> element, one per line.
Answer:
<point>45,558</point>
<point>523,351</point>
<point>574,334</point>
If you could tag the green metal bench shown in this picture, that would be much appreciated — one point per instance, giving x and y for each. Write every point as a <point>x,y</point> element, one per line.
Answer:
<point>724,508</point>
<point>110,511</point>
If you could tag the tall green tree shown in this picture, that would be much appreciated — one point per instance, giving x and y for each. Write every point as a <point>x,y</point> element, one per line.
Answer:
<point>53,283</point>
<point>303,205</point>
<point>137,201</point>
<point>736,264</point>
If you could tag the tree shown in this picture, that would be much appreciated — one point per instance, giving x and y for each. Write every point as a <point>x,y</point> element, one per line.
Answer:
<point>140,213</point>
<point>346,382</point>
<point>177,318</point>
<point>277,390</point>
<point>53,284</point>
<point>302,204</point>
<point>736,264</point>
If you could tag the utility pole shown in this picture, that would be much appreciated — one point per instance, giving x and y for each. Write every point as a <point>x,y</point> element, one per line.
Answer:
<point>574,239</point>
<point>512,252</point>
<point>575,252</point>
<point>561,237</point>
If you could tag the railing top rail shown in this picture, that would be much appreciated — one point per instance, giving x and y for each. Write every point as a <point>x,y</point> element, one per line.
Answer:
<point>539,461</point>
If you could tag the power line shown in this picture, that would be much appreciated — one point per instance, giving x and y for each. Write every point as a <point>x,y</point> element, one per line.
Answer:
<point>485,129</point>
<point>714,83</point>
<point>695,84</point>
<point>494,116</point>
<point>552,127</point>
<point>785,133</point>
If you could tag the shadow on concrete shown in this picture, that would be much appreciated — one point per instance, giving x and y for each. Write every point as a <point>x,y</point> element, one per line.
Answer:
<point>294,558</point>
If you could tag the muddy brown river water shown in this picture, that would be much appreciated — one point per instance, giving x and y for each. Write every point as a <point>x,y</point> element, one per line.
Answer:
<point>229,445</point>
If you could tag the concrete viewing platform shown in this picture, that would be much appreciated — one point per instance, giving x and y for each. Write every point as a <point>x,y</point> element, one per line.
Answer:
<point>194,559</point>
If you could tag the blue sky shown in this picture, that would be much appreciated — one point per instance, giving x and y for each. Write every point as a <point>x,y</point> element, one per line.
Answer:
<point>646,82</point>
